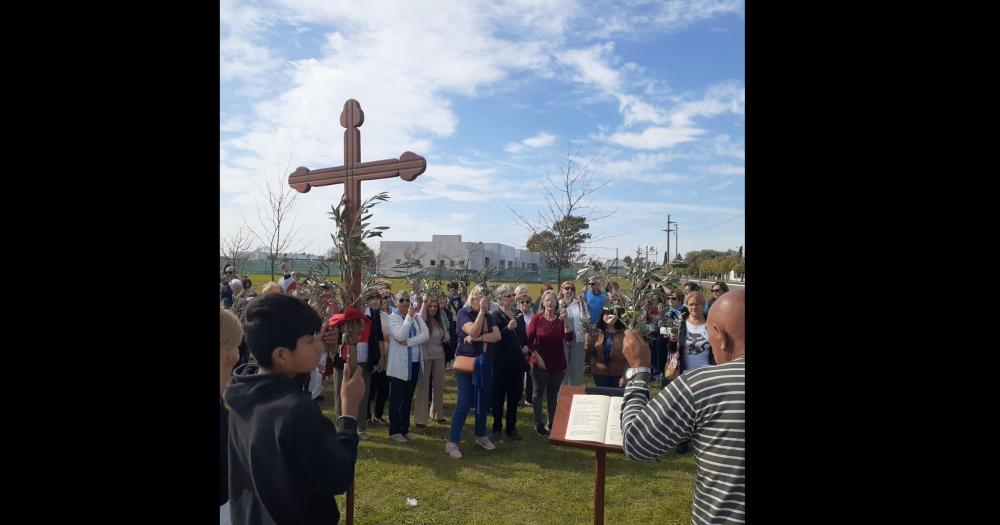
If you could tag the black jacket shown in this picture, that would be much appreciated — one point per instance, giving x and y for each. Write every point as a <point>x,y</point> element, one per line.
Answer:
<point>286,459</point>
<point>449,349</point>
<point>508,350</point>
<point>374,335</point>
<point>226,295</point>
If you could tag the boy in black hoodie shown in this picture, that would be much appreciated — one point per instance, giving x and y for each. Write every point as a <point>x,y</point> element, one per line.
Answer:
<point>286,459</point>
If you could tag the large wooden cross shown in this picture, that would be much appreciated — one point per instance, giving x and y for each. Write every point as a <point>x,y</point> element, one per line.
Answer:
<point>408,166</point>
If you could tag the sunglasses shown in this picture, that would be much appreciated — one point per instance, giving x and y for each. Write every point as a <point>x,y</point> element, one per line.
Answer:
<point>524,302</point>
<point>570,288</point>
<point>402,301</point>
<point>672,299</point>
<point>716,290</point>
<point>506,296</point>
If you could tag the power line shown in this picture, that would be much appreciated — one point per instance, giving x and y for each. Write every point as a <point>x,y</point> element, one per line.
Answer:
<point>717,225</point>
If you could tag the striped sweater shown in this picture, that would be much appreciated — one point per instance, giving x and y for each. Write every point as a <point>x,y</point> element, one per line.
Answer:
<point>706,406</point>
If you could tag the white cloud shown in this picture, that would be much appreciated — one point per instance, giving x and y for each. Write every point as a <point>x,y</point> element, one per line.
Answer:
<point>241,55</point>
<point>592,66</point>
<point>655,209</point>
<point>610,19</point>
<point>639,168</point>
<point>718,98</point>
<point>721,185</point>
<point>406,62</point>
<point>540,140</point>
<point>595,67</point>
<point>406,102</point>
<point>727,169</point>
<point>724,146</point>
<point>674,15</point>
<point>655,137</point>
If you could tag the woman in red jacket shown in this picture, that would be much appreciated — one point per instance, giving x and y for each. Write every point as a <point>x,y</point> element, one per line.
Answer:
<point>546,333</point>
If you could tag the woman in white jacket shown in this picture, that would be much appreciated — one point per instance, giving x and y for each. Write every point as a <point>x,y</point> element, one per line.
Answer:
<point>407,331</point>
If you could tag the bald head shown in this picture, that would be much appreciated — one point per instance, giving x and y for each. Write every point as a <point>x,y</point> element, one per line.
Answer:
<point>727,326</point>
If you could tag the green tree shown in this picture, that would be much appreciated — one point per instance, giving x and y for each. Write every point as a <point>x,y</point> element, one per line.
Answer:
<point>561,245</point>
<point>559,231</point>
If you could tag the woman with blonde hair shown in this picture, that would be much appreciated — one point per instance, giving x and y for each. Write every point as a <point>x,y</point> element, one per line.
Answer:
<point>434,360</point>
<point>271,287</point>
<point>230,335</point>
<point>546,334</point>
<point>479,333</point>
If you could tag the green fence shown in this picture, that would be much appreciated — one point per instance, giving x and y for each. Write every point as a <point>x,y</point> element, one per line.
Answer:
<point>510,275</point>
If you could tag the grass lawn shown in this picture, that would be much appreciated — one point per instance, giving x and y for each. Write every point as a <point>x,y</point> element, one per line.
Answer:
<point>526,481</point>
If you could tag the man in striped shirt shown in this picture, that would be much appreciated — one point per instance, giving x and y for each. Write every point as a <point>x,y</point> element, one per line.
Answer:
<point>705,406</point>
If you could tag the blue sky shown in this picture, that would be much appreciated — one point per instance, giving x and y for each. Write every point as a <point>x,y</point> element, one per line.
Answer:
<point>651,94</point>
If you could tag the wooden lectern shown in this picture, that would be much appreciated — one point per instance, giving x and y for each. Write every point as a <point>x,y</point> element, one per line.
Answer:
<point>558,437</point>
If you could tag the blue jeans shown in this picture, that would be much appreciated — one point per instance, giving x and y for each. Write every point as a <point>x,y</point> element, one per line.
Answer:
<point>608,381</point>
<point>466,393</point>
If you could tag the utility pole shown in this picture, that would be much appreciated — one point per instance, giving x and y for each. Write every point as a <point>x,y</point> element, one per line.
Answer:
<point>677,244</point>
<point>666,256</point>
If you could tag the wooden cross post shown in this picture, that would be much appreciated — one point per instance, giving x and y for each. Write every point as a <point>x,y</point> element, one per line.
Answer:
<point>408,166</point>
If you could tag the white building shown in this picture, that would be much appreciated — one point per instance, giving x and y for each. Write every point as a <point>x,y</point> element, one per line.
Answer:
<point>451,252</point>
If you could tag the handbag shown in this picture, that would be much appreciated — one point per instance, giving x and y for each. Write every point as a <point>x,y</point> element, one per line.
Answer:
<point>464,364</point>
<point>672,366</point>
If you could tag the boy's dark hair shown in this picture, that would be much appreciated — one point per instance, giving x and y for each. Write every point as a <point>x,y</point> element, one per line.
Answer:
<point>247,283</point>
<point>619,325</point>
<point>275,320</point>
<point>692,286</point>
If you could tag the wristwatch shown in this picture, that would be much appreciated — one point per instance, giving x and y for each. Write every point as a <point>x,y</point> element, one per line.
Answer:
<point>633,372</point>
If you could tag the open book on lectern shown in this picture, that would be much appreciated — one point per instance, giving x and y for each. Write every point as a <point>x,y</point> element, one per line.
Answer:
<point>595,418</point>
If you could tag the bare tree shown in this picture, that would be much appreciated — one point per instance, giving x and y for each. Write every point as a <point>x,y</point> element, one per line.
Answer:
<point>235,247</point>
<point>277,231</point>
<point>558,230</point>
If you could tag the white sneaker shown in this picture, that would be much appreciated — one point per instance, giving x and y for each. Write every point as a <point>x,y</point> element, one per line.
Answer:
<point>398,438</point>
<point>362,436</point>
<point>452,450</point>
<point>409,436</point>
<point>485,443</point>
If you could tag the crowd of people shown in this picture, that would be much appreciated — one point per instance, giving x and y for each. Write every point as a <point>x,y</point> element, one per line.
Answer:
<point>504,348</point>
